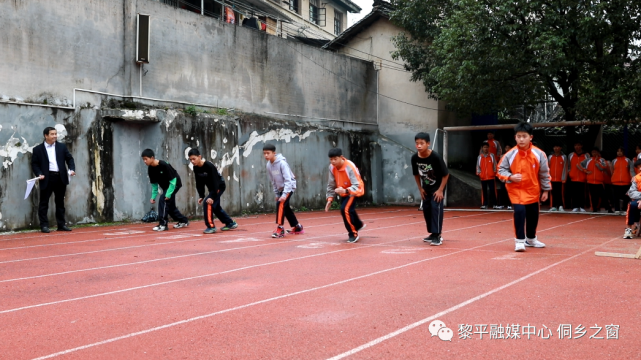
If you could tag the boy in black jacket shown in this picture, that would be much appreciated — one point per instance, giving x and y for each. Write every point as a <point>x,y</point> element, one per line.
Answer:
<point>161,173</point>
<point>206,174</point>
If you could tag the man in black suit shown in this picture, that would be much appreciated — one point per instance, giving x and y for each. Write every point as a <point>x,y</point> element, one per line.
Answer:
<point>49,162</point>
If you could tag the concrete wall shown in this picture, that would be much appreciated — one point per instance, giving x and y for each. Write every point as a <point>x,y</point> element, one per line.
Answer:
<point>112,182</point>
<point>50,47</point>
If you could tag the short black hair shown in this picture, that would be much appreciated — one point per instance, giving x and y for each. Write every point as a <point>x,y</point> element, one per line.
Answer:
<point>47,130</point>
<point>637,163</point>
<point>597,149</point>
<point>335,152</point>
<point>557,143</point>
<point>485,143</point>
<point>523,127</point>
<point>269,147</point>
<point>193,152</point>
<point>578,142</point>
<point>423,136</point>
<point>147,153</point>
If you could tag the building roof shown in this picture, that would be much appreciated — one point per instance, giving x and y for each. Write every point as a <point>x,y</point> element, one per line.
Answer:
<point>380,10</point>
<point>351,7</point>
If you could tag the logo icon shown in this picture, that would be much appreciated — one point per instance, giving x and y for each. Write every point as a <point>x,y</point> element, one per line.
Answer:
<point>438,328</point>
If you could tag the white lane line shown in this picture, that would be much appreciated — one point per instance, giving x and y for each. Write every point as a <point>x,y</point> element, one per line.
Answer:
<point>213,251</point>
<point>188,231</point>
<point>169,242</point>
<point>461,305</point>
<point>277,297</point>
<point>148,225</point>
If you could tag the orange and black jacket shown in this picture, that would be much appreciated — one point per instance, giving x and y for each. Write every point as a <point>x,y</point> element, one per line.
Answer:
<point>348,177</point>
<point>558,167</point>
<point>486,166</point>
<point>635,188</point>
<point>622,170</point>
<point>574,172</point>
<point>532,164</point>
<point>596,167</point>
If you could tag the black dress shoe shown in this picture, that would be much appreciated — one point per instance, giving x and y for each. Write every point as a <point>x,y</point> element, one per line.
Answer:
<point>45,229</point>
<point>63,228</point>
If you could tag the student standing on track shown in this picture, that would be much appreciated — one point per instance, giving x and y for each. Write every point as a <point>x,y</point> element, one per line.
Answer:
<point>576,186</point>
<point>558,175</point>
<point>594,168</point>
<point>486,170</point>
<point>526,173</point>
<point>622,170</point>
<point>431,175</point>
<point>634,207</point>
<point>284,183</point>
<point>207,174</point>
<point>345,181</point>
<point>164,175</point>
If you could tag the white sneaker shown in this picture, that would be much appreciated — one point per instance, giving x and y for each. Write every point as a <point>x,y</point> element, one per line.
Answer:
<point>483,207</point>
<point>500,207</point>
<point>627,234</point>
<point>534,243</point>
<point>160,228</point>
<point>575,210</point>
<point>582,210</point>
<point>561,208</point>
<point>509,208</point>
<point>181,225</point>
<point>519,245</point>
<point>554,209</point>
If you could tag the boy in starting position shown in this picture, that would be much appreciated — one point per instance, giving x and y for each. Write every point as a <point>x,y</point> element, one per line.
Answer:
<point>207,174</point>
<point>525,172</point>
<point>164,175</point>
<point>284,183</point>
<point>431,175</point>
<point>345,181</point>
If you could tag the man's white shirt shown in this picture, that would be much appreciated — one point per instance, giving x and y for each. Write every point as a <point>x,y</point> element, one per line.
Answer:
<point>51,153</point>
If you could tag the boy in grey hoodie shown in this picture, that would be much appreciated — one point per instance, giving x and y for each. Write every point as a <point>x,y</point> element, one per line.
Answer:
<point>284,183</point>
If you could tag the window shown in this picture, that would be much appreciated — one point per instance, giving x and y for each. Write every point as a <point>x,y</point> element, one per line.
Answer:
<point>313,11</point>
<point>338,22</point>
<point>293,5</point>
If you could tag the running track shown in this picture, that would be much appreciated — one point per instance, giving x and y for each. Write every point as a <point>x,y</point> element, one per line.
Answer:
<point>127,292</point>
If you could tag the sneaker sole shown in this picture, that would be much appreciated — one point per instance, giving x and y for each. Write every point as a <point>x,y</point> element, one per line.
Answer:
<point>436,244</point>
<point>295,232</point>
<point>277,236</point>
<point>519,250</point>
<point>534,246</point>
<point>355,240</point>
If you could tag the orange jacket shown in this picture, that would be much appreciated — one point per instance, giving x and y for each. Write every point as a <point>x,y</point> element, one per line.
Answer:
<point>596,166</point>
<point>573,161</point>
<point>558,167</point>
<point>495,149</point>
<point>348,177</point>
<point>532,164</point>
<point>622,170</point>
<point>486,167</point>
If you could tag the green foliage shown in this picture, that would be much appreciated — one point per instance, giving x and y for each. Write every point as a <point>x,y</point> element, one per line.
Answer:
<point>490,55</point>
<point>222,111</point>
<point>336,205</point>
<point>191,110</point>
<point>303,208</point>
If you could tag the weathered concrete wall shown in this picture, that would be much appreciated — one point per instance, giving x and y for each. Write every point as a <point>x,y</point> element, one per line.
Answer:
<point>50,47</point>
<point>112,182</point>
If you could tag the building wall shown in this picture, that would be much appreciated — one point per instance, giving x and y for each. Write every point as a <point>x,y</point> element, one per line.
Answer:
<point>51,47</point>
<point>399,121</point>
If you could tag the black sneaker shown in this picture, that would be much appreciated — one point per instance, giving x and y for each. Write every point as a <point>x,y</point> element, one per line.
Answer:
<point>279,232</point>
<point>429,238</point>
<point>353,239</point>
<point>436,240</point>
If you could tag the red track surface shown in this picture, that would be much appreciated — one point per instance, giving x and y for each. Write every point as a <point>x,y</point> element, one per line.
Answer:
<point>137,294</point>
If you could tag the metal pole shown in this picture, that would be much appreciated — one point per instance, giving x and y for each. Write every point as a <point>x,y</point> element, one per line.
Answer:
<point>202,7</point>
<point>511,126</point>
<point>445,159</point>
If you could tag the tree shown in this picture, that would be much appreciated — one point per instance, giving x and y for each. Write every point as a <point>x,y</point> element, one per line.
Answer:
<point>484,56</point>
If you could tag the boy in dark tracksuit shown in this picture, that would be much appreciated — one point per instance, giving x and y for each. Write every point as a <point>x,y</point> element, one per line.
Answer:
<point>163,175</point>
<point>284,183</point>
<point>207,174</point>
<point>431,175</point>
<point>345,181</point>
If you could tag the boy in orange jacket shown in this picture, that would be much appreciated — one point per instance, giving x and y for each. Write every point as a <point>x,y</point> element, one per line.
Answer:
<point>526,173</point>
<point>594,167</point>
<point>486,170</point>
<point>558,175</point>
<point>622,170</point>
<point>577,180</point>
<point>345,181</point>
